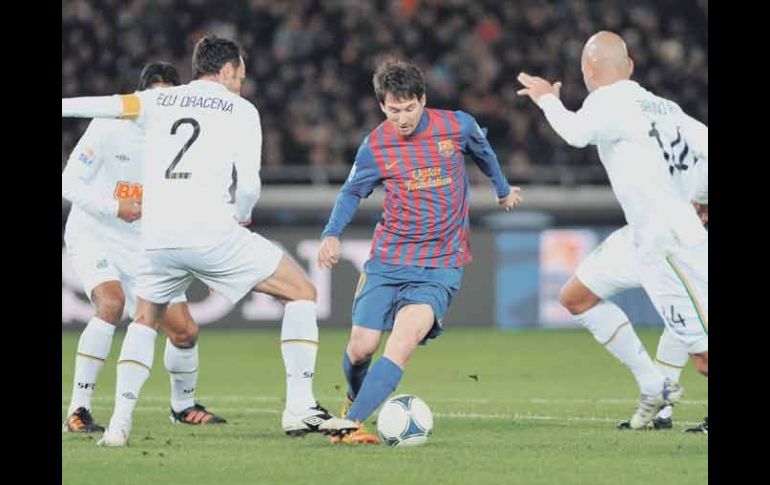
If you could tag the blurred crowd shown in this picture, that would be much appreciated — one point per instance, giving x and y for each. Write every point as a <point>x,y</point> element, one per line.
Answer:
<point>310,64</point>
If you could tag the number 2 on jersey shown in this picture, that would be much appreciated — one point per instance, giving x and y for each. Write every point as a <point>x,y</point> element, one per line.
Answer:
<point>170,174</point>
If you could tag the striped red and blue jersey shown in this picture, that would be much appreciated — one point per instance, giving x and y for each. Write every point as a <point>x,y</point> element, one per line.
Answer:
<point>425,215</point>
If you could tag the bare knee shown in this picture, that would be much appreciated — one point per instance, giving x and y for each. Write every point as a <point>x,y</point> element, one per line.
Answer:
<point>306,291</point>
<point>363,344</point>
<point>109,301</point>
<point>289,283</point>
<point>413,323</point>
<point>185,338</point>
<point>576,297</point>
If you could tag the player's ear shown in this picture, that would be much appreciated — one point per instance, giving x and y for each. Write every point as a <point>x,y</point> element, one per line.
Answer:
<point>422,100</point>
<point>382,107</point>
<point>227,70</point>
<point>630,67</point>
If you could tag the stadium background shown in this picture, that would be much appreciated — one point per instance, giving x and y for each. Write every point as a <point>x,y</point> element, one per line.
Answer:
<point>309,70</point>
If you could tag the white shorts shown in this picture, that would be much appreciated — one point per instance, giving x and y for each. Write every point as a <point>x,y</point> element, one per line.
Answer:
<point>677,284</point>
<point>98,259</point>
<point>232,267</point>
<point>612,267</point>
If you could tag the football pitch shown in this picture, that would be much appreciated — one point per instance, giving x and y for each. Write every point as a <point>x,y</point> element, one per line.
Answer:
<point>530,407</point>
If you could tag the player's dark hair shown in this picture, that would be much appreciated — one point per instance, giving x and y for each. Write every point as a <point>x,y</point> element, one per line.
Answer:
<point>401,79</point>
<point>211,53</point>
<point>158,72</point>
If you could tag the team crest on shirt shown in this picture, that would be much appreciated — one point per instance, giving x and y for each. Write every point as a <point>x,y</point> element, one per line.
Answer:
<point>87,157</point>
<point>446,148</point>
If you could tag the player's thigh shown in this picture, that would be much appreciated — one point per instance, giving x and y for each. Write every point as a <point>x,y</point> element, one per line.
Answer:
<point>413,322</point>
<point>375,299</point>
<point>611,267</point>
<point>237,265</point>
<point>289,282</point>
<point>435,287</point>
<point>92,265</point>
<point>163,276</point>
<point>680,296</point>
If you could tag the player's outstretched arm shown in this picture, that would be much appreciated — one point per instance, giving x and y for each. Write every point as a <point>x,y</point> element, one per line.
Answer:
<point>126,106</point>
<point>578,129</point>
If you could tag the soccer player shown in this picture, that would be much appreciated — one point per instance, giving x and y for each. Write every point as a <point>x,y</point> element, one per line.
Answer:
<point>422,241</point>
<point>195,134</point>
<point>103,180</point>
<point>642,140</point>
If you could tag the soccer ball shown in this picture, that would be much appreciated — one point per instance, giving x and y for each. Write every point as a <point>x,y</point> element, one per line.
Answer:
<point>405,420</point>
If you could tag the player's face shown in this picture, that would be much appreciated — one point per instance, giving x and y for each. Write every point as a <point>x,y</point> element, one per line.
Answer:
<point>405,114</point>
<point>233,76</point>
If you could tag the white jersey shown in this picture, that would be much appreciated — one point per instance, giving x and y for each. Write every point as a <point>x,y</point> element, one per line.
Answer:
<point>195,134</point>
<point>642,141</point>
<point>104,167</point>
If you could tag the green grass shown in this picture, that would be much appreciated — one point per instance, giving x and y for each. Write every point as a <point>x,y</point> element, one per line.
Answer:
<point>543,410</point>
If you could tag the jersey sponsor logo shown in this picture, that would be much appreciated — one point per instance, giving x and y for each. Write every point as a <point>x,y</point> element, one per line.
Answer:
<point>446,148</point>
<point>102,263</point>
<point>127,190</point>
<point>87,157</point>
<point>122,158</point>
<point>426,178</point>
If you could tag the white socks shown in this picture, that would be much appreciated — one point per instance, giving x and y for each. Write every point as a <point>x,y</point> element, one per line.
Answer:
<point>611,328</point>
<point>671,358</point>
<point>299,346</point>
<point>182,366</point>
<point>134,366</point>
<point>93,349</point>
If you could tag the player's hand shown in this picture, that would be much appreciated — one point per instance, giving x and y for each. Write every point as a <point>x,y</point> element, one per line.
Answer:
<point>130,209</point>
<point>329,252</point>
<point>703,212</point>
<point>512,200</point>
<point>534,87</point>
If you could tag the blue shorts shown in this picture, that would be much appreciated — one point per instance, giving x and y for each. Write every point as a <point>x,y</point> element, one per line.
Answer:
<point>384,288</point>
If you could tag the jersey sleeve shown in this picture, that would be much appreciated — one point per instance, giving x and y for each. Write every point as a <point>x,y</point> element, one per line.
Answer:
<point>363,178</point>
<point>248,163</point>
<point>126,106</point>
<point>477,146</point>
<point>84,163</point>
<point>597,120</point>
